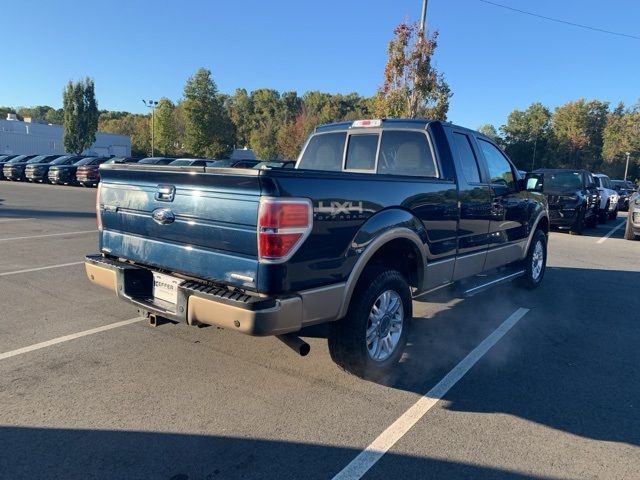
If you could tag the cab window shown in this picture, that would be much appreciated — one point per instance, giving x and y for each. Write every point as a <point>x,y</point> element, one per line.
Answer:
<point>324,152</point>
<point>499,167</point>
<point>470,168</point>
<point>361,152</point>
<point>406,153</point>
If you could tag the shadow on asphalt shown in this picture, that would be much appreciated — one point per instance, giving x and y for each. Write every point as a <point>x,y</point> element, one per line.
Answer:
<point>572,363</point>
<point>601,230</point>
<point>29,453</point>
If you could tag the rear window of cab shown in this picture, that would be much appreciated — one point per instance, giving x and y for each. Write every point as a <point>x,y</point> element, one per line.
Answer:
<point>390,152</point>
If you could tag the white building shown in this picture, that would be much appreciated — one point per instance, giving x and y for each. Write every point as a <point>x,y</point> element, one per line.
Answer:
<point>29,138</point>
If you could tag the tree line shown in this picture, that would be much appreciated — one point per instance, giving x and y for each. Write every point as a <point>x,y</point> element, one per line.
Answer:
<point>587,134</point>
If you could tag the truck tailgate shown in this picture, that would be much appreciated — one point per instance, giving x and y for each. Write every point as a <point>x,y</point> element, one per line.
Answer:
<point>182,220</point>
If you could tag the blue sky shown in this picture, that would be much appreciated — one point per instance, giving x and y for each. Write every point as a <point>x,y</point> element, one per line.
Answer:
<point>494,60</point>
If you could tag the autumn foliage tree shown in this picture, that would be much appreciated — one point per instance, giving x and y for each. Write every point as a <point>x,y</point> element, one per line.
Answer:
<point>412,85</point>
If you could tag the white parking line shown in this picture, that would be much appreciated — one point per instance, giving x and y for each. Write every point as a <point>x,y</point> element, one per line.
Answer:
<point>374,452</point>
<point>67,338</point>
<point>7,220</point>
<point>16,272</point>
<point>48,235</point>
<point>611,232</point>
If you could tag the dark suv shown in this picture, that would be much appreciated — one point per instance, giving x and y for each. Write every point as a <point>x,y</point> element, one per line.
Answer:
<point>37,172</point>
<point>573,198</point>
<point>14,168</point>
<point>17,171</point>
<point>622,187</point>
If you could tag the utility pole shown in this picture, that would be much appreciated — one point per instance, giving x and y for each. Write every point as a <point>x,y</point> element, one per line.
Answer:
<point>152,105</point>
<point>626,168</point>
<point>423,19</point>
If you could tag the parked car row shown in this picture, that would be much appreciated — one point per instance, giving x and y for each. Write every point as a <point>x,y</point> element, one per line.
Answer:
<point>578,198</point>
<point>85,171</point>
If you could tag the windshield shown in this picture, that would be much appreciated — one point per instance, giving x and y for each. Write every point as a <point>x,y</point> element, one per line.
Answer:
<point>18,159</point>
<point>221,163</point>
<point>156,161</point>
<point>88,161</point>
<point>38,159</point>
<point>67,160</point>
<point>562,181</point>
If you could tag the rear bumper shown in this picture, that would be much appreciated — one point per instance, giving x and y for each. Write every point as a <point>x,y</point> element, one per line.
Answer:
<point>218,305</point>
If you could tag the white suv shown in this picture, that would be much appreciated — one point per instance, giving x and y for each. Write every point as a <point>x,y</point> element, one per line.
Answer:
<point>608,198</point>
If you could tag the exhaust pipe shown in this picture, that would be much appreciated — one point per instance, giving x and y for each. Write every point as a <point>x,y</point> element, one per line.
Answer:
<point>295,343</point>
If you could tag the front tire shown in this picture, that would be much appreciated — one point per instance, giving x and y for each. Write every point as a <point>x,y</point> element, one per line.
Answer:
<point>577,227</point>
<point>628,231</point>
<point>603,214</point>
<point>370,340</point>
<point>535,263</point>
<point>592,222</point>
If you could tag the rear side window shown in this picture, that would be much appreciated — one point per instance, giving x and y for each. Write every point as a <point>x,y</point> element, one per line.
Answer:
<point>499,168</point>
<point>406,153</point>
<point>361,152</point>
<point>468,159</point>
<point>324,152</point>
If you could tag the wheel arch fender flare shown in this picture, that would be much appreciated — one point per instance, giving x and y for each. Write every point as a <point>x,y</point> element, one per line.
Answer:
<point>379,230</point>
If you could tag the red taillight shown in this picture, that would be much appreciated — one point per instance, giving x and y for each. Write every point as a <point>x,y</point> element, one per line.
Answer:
<point>98,216</point>
<point>282,227</point>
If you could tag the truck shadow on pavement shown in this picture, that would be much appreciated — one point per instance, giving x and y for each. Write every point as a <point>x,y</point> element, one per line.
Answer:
<point>572,363</point>
<point>29,453</point>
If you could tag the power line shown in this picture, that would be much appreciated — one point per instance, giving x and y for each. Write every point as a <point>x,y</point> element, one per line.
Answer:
<point>565,22</point>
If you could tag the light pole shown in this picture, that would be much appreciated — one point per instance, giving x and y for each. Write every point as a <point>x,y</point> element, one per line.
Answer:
<point>626,168</point>
<point>423,17</point>
<point>152,105</point>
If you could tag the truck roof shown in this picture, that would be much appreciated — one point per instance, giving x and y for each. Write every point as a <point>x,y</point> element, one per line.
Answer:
<point>412,123</point>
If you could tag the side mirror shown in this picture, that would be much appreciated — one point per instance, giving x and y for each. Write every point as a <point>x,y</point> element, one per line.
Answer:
<point>533,182</point>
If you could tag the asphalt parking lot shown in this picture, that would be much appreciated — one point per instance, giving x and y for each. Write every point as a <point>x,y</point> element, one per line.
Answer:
<point>548,387</point>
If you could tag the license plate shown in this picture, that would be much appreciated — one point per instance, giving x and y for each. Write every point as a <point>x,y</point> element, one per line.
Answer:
<point>165,287</point>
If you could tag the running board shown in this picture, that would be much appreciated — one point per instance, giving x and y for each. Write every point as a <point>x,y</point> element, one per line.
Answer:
<point>488,282</point>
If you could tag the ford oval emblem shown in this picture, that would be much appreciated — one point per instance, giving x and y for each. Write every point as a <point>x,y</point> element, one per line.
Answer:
<point>163,216</point>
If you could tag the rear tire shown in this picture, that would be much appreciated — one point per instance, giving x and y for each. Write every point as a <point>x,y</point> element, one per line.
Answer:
<point>535,263</point>
<point>370,340</point>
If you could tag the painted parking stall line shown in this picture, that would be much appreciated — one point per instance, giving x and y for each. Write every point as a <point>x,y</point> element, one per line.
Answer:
<point>7,220</point>
<point>611,232</point>
<point>37,269</point>
<point>81,232</point>
<point>359,466</point>
<point>67,338</point>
